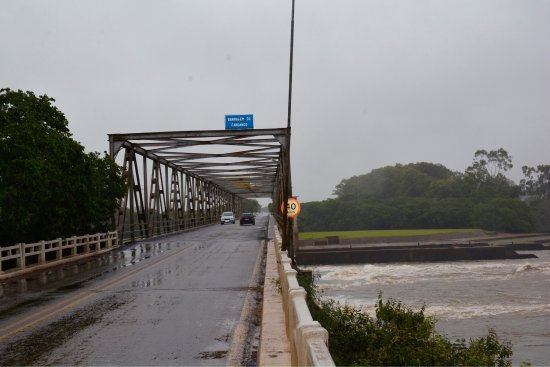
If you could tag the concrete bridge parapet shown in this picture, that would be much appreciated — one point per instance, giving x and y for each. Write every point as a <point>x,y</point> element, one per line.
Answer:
<point>308,339</point>
<point>26,257</point>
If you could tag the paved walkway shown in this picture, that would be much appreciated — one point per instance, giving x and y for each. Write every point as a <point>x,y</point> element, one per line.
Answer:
<point>274,343</point>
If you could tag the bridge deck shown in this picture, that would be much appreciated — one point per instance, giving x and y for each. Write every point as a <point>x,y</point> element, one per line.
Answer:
<point>177,300</point>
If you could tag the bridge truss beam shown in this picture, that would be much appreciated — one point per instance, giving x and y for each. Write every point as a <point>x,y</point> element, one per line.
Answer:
<point>184,179</point>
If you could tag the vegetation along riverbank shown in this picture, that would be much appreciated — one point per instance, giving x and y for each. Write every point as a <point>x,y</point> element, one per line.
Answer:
<point>397,335</point>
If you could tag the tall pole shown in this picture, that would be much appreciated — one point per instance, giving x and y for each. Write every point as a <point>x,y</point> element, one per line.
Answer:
<point>290,72</point>
<point>287,186</point>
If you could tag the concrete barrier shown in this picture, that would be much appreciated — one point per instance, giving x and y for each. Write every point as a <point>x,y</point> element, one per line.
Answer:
<point>26,257</point>
<point>308,339</point>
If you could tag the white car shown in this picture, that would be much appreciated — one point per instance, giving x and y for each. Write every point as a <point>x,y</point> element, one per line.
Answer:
<point>227,217</point>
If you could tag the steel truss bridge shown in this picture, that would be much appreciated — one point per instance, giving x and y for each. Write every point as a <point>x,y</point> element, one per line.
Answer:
<point>184,179</point>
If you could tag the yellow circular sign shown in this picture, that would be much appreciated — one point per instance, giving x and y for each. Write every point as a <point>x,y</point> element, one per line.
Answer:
<point>293,208</point>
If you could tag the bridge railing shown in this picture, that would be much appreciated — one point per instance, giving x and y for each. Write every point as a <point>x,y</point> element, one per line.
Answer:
<point>308,339</point>
<point>136,231</point>
<point>25,257</point>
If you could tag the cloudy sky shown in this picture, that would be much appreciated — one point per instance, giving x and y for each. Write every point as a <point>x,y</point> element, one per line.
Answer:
<point>376,82</point>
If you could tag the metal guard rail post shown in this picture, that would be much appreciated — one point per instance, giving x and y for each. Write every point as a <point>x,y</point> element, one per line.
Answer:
<point>308,339</point>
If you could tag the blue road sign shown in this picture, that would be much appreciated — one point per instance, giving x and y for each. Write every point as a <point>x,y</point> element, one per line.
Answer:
<point>239,122</point>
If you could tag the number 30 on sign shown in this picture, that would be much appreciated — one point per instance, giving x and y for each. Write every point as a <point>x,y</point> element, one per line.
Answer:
<point>293,208</point>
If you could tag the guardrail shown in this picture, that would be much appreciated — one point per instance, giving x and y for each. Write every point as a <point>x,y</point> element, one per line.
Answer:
<point>308,339</point>
<point>25,257</point>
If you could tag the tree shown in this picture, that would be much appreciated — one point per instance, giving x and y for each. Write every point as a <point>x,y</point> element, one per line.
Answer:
<point>536,182</point>
<point>251,206</point>
<point>387,183</point>
<point>504,214</point>
<point>49,187</point>
<point>485,178</point>
<point>451,187</point>
<point>541,212</point>
<point>490,164</point>
<point>536,187</point>
<point>427,195</point>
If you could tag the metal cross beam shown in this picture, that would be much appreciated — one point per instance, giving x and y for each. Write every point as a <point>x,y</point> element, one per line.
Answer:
<point>183,179</point>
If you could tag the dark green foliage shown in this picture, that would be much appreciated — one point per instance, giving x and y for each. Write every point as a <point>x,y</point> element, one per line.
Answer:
<point>397,336</point>
<point>541,212</point>
<point>400,213</point>
<point>536,182</point>
<point>485,178</point>
<point>504,214</point>
<point>425,195</point>
<point>484,351</point>
<point>49,187</point>
<point>452,187</point>
<point>448,213</point>
<point>389,182</point>
<point>536,187</point>
<point>251,206</point>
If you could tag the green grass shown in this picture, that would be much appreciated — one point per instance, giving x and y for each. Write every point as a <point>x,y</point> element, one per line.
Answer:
<point>382,233</point>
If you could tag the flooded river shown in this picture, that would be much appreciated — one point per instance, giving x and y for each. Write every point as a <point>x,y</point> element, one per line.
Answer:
<point>510,296</point>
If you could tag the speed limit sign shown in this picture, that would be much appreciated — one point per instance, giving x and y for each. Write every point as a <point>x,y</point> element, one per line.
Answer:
<point>293,208</point>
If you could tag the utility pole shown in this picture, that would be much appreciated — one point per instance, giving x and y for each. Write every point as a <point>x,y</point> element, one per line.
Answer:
<point>288,237</point>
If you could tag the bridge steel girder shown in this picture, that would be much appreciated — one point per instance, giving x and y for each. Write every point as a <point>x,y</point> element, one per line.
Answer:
<point>188,178</point>
<point>281,193</point>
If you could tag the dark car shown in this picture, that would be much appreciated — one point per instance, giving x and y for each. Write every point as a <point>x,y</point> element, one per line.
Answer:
<point>247,218</point>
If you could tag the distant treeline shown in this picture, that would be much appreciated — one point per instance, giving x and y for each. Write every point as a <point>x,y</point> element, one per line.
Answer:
<point>427,195</point>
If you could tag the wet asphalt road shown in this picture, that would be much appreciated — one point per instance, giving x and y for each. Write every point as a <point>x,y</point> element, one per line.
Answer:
<point>186,299</point>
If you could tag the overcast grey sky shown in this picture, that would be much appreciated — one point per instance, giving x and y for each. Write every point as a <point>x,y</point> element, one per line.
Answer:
<point>375,82</point>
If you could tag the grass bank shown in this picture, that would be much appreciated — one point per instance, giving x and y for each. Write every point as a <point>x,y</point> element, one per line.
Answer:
<point>383,233</point>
